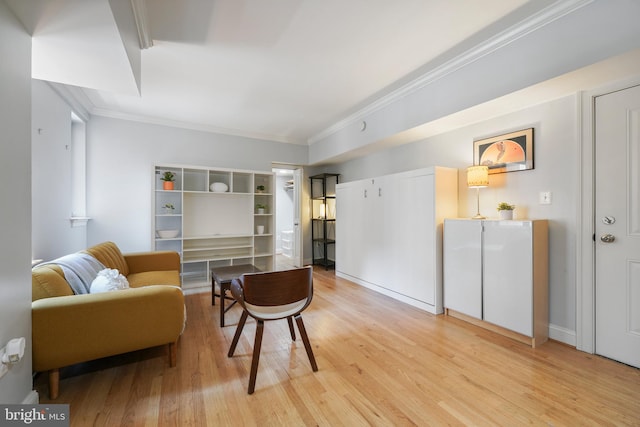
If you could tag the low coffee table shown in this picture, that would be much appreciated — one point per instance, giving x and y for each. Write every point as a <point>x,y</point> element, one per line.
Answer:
<point>223,276</point>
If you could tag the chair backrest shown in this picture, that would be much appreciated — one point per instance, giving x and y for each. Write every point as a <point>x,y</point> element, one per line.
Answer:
<point>277,294</point>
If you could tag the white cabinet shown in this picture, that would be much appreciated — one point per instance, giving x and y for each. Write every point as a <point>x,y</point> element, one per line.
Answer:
<point>496,275</point>
<point>389,233</point>
<point>218,219</point>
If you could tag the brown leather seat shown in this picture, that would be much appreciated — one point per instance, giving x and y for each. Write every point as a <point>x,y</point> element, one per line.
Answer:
<point>272,296</point>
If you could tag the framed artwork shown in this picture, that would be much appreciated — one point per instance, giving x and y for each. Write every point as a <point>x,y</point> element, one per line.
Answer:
<point>505,153</point>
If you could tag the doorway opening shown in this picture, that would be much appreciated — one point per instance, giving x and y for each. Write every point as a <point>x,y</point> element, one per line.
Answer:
<point>287,232</point>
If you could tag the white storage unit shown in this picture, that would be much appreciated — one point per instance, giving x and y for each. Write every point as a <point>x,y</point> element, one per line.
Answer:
<point>389,233</point>
<point>214,228</point>
<point>287,243</point>
<point>496,276</point>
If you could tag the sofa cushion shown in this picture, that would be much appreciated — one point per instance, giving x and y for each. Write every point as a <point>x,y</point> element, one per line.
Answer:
<point>147,278</point>
<point>109,254</point>
<point>48,281</point>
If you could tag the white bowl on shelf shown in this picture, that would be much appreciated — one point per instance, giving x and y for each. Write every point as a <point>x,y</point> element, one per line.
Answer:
<point>168,234</point>
<point>219,187</point>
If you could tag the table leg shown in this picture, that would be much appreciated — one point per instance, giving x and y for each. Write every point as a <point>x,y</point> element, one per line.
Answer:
<point>223,295</point>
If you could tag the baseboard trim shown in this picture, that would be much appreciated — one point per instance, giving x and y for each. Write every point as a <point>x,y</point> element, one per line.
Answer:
<point>392,294</point>
<point>564,335</point>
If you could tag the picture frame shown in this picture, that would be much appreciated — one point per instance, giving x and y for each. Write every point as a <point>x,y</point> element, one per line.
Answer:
<point>505,153</point>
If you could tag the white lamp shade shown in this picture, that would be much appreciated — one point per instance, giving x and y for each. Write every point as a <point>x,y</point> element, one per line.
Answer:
<point>477,176</point>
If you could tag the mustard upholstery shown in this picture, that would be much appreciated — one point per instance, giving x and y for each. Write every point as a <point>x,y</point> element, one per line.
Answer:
<point>68,328</point>
<point>110,256</point>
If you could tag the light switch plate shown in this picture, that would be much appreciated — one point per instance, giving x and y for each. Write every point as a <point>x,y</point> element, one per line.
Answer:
<point>545,197</point>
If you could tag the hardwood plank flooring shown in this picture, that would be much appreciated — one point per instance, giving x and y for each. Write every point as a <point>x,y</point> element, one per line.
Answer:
<point>381,362</point>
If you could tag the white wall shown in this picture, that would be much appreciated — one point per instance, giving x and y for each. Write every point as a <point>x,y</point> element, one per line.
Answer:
<point>15,226</point>
<point>556,170</point>
<point>120,156</point>
<point>51,189</point>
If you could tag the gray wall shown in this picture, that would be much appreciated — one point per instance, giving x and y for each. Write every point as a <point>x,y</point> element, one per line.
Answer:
<point>15,193</point>
<point>594,32</point>
<point>52,234</point>
<point>556,170</point>
<point>120,157</point>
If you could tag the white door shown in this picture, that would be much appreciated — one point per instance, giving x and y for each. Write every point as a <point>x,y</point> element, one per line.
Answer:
<point>374,247</point>
<point>349,229</point>
<point>414,226</point>
<point>617,225</point>
<point>507,287</point>
<point>462,247</point>
<point>297,231</point>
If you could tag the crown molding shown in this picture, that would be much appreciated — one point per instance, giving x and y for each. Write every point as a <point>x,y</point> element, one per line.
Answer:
<point>191,126</point>
<point>140,17</point>
<point>74,97</point>
<point>80,103</point>
<point>500,40</point>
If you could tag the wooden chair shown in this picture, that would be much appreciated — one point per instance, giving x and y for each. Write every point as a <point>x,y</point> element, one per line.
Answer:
<point>272,296</point>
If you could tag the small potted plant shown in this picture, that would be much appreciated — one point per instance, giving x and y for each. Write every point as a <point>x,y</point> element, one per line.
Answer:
<point>260,189</point>
<point>168,208</point>
<point>505,210</point>
<point>168,177</point>
<point>261,208</point>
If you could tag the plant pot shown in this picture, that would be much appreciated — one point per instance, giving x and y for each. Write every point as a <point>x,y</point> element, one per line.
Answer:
<point>167,185</point>
<point>260,211</point>
<point>505,214</point>
<point>260,229</point>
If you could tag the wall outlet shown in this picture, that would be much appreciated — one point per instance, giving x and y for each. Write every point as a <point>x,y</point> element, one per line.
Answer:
<point>3,368</point>
<point>545,197</point>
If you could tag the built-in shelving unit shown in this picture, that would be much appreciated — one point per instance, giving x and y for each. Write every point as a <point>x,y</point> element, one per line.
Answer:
<point>288,185</point>
<point>214,217</point>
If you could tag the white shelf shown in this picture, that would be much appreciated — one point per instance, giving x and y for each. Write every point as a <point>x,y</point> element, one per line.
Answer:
<point>216,228</point>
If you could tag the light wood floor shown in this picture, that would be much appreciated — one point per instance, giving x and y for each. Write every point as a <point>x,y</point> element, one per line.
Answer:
<point>380,362</point>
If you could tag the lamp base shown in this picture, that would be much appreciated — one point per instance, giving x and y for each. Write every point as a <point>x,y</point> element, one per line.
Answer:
<point>478,216</point>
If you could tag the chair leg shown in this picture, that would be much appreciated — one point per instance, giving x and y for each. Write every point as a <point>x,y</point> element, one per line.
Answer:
<point>307,344</point>
<point>291,329</point>
<point>54,383</point>
<point>256,356</point>
<point>236,337</point>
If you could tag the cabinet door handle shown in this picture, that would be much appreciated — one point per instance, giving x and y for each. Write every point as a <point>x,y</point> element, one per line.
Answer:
<point>365,194</point>
<point>379,192</point>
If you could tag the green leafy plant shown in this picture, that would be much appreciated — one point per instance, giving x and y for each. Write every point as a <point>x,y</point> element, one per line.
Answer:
<point>503,206</point>
<point>168,176</point>
<point>261,206</point>
<point>260,187</point>
<point>169,206</point>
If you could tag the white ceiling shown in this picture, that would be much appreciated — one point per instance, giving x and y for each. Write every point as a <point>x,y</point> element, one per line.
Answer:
<point>283,70</point>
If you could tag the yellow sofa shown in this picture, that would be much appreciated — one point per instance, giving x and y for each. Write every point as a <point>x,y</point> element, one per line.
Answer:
<point>69,328</point>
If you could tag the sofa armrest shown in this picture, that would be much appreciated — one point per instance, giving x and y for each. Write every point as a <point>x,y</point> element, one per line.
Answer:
<point>72,329</point>
<point>152,261</point>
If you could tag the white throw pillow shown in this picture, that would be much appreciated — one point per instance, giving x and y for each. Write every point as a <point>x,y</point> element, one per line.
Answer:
<point>107,280</point>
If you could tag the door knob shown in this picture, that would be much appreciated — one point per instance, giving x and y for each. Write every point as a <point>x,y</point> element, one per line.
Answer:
<point>607,238</point>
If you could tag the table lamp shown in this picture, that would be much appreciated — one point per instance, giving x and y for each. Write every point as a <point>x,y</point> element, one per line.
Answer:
<point>478,177</point>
